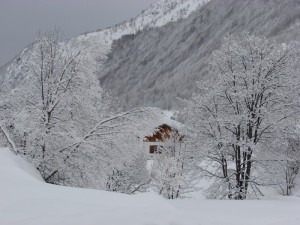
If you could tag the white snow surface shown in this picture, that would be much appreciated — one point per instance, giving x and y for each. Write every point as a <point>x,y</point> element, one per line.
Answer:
<point>25,199</point>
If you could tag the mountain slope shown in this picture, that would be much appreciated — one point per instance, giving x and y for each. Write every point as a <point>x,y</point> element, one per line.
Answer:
<point>154,67</point>
<point>158,14</point>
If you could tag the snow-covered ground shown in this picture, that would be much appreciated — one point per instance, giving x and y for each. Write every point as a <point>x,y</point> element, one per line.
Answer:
<point>25,199</point>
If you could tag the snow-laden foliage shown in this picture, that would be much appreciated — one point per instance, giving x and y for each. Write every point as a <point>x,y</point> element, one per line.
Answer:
<point>243,116</point>
<point>288,167</point>
<point>57,102</point>
<point>132,177</point>
<point>172,170</point>
<point>64,122</point>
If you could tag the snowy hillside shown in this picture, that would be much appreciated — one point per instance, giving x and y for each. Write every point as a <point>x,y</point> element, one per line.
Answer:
<point>155,67</point>
<point>27,200</point>
<point>158,14</point>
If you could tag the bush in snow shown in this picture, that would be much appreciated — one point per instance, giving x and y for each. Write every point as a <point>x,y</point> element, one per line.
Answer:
<point>131,178</point>
<point>172,170</point>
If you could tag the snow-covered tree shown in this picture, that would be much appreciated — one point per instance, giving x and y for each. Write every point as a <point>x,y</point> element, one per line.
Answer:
<point>172,170</point>
<point>131,178</point>
<point>6,126</point>
<point>289,166</point>
<point>58,95</point>
<point>239,118</point>
<point>69,127</point>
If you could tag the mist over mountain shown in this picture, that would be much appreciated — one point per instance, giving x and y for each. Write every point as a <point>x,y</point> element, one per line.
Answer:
<point>155,66</point>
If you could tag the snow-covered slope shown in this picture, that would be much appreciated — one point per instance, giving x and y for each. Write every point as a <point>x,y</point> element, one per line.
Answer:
<point>26,200</point>
<point>156,66</point>
<point>164,11</point>
<point>163,62</point>
<point>158,14</point>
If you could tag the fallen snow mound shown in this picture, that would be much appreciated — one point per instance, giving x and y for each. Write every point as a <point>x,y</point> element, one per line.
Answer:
<point>25,199</point>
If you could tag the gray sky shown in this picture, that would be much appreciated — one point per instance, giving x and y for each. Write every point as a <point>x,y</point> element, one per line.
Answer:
<point>21,19</point>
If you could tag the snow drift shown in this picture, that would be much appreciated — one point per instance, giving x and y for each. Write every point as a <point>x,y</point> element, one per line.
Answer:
<point>27,200</point>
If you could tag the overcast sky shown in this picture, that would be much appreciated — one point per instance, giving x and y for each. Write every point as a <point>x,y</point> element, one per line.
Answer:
<point>21,19</point>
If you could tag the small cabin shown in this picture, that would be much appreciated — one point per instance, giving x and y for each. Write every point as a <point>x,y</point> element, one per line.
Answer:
<point>161,135</point>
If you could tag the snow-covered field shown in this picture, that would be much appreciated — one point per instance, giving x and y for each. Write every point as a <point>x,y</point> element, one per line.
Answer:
<point>25,199</point>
